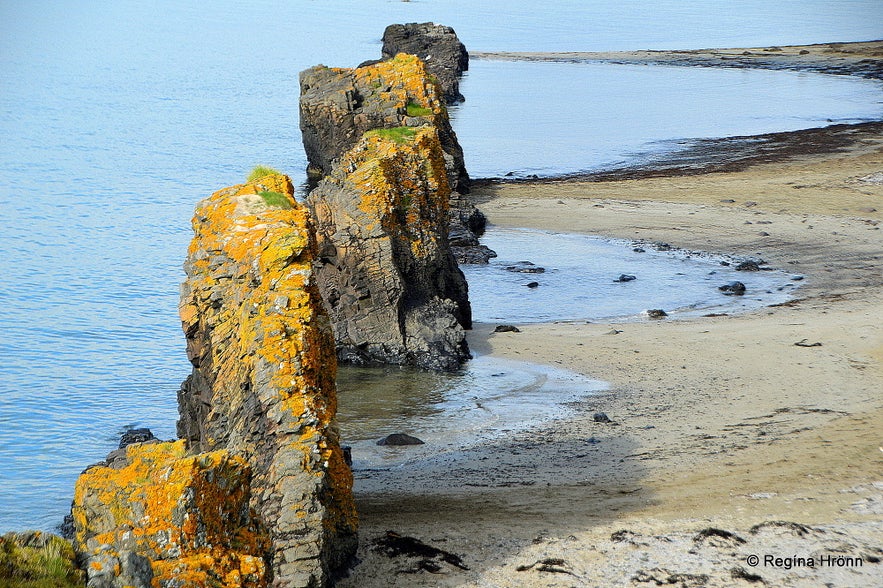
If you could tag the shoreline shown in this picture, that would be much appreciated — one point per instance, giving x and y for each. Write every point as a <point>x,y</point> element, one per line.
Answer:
<point>729,438</point>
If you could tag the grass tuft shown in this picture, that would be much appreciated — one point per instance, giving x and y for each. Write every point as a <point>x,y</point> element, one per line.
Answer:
<point>261,171</point>
<point>397,134</point>
<point>275,199</point>
<point>415,109</point>
<point>37,560</point>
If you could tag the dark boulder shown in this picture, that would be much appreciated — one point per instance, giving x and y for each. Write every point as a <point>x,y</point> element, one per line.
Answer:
<point>733,289</point>
<point>400,439</point>
<point>748,266</point>
<point>507,329</point>
<point>525,267</point>
<point>135,436</point>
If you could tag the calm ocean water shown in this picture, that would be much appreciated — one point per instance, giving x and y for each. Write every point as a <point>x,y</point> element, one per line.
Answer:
<point>117,117</point>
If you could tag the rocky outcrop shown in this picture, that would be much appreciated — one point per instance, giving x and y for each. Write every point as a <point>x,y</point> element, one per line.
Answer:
<point>339,105</point>
<point>256,492</point>
<point>385,271</point>
<point>438,46</point>
<point>169,519</point>
<point>263,381</point>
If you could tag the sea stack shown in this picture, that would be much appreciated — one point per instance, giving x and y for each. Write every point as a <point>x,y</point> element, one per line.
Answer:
<point>256,492</point>
<point>381,136</point>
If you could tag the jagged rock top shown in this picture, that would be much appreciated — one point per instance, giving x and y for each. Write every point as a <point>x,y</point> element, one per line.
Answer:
<point>437,45</point>
<point>339,105</point>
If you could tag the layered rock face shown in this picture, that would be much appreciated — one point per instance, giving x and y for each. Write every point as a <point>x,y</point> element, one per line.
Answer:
<point>339,105</point>
<point>263,381</point>
<point>262,496</point>
<point>386,272</point>
<point>169,519</point>
<point>437,45</point>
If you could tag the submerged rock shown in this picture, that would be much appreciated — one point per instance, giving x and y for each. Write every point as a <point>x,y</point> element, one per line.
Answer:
<point>438,46</point>
<point>733,289</point>
<point>385,270</point>
<point>525,267</point>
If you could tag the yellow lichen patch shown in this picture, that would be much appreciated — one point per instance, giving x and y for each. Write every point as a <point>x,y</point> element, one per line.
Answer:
<point>172,508</point>
<point>260,339</point>
<point>404,185</point>
<point>403,80</point>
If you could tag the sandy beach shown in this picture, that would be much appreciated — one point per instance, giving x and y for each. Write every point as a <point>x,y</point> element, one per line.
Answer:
<point>733,436</point>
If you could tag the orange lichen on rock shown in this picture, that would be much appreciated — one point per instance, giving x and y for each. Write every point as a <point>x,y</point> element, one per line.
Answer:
<point>339,105</point>
<point>263,383</point>
<point>257,490</point>
<point>157,520</point>
<point>403,185</point>
<point>386,271</point>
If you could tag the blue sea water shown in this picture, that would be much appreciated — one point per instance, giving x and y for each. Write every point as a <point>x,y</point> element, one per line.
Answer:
<point>117,117</point>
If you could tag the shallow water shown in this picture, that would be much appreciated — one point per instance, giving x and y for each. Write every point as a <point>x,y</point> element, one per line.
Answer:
<point>117,117</point>
<point>488,398</point>
<point>579,281</point>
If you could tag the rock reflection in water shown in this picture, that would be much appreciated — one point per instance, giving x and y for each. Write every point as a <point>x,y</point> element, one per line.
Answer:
<point>489,397</point>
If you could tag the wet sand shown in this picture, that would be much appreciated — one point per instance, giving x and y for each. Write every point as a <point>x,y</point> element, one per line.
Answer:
<point>765,427</point>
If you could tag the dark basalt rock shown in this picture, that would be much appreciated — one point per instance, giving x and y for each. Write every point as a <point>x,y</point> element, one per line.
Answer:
<point>733,289</point>
<point>400,439</point>
<point>135,436</point>
<point>525,267</point>
<point>445,56</point>
<point>748,266</point>
<point>507,329</point>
